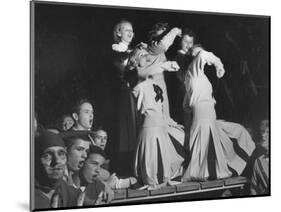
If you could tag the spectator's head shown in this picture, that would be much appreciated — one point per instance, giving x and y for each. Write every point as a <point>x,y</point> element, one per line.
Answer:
<point>66,122</point>
<point>77,143</point>
<point>100,137</point>
<point>50,157</point>
<point>264,133</point>
<point>83,115</point>
<point>187,40</point>
<point>91,169</point>
<point>123,32</point>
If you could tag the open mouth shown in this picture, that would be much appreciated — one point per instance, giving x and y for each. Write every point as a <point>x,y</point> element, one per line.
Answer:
<point>90,122</point>
<point>94,177</point>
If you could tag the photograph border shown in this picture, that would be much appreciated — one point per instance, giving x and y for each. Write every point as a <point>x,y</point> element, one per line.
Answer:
<point>32,91</point>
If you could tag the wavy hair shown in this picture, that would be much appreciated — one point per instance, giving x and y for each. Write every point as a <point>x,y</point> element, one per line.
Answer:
<point>117,29</point>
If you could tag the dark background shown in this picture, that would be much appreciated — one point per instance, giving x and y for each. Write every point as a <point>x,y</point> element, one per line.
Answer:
<point>73,57</point>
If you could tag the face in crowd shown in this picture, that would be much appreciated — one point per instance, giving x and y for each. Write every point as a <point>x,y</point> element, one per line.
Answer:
<point>100,139</point>
<point>187,43</point>
<point>77,154</point>
<point>67,123</point>
<point>84,119</point>
<point>92,167</point>
<point>126,32</point>
<point>53,160</point>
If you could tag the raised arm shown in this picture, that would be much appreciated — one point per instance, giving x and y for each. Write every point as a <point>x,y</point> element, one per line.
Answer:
<point>212,59</point>
<point>203,57</point>
<point>164,44</point>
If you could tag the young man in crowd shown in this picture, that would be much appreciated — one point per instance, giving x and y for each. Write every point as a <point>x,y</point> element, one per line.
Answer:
<point>99,139</point>
<point>50,164</point>
<point>83,115</point>
<point>78,144</point>
<point>90,174</point>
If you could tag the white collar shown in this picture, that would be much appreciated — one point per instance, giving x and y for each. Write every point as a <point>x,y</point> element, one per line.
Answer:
<point>120,47</point>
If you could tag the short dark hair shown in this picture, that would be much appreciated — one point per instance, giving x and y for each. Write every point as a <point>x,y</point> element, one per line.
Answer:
<point>70,137</point>
<point>76,108</point>
<point>190,33</point>
<point>99,127</point>
<point>96,150</point>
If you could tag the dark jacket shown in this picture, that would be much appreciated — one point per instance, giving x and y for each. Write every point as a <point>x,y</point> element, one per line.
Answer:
<point>68,195</point>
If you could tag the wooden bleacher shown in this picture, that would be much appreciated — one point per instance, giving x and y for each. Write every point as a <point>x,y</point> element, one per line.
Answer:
<point>187,190</point>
